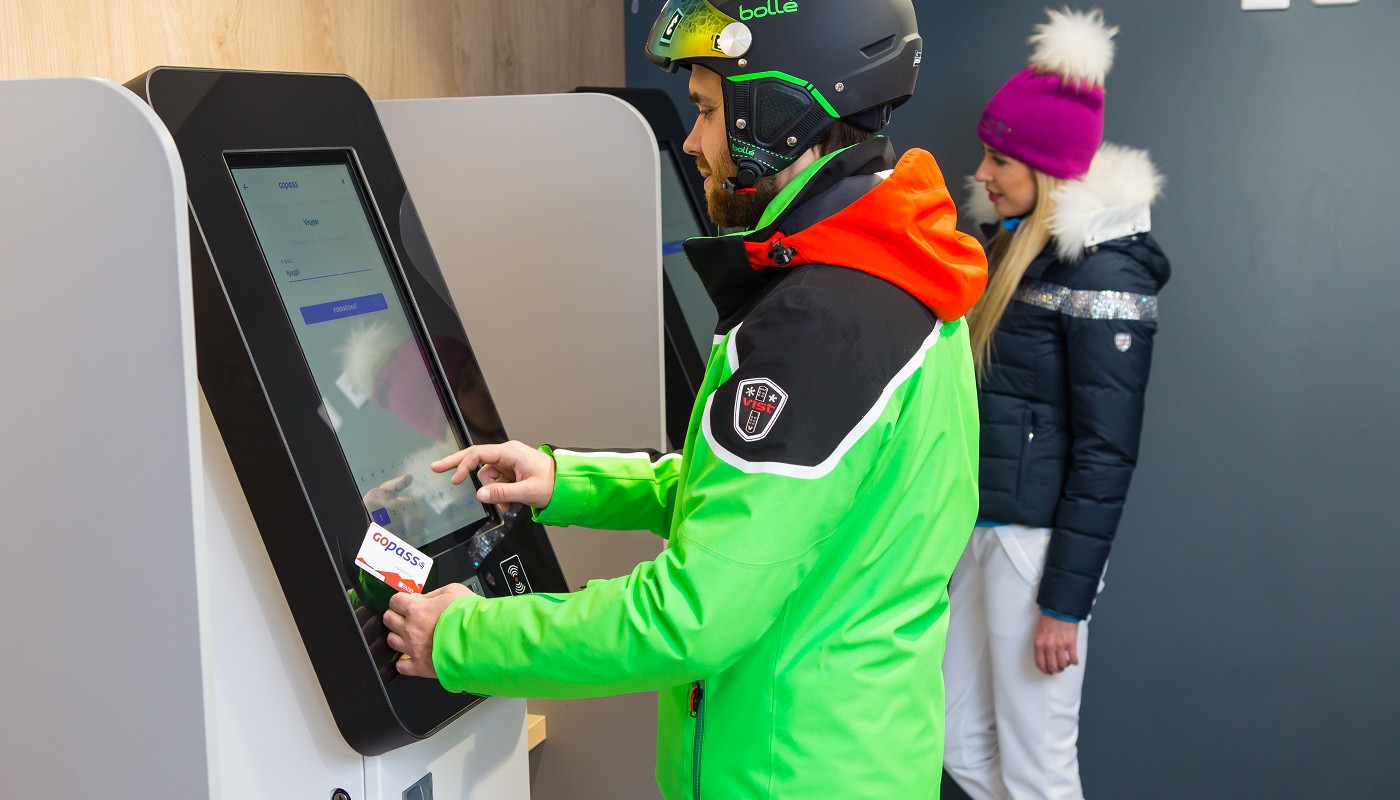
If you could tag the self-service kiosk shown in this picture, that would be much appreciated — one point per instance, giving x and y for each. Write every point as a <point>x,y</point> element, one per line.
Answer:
<point>336,366</point>
<point>193,622</point>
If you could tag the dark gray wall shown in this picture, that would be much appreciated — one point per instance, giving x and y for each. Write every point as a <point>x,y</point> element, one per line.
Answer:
<point>1245,646</point>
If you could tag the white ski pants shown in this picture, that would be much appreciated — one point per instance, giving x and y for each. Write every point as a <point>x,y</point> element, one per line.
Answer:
<point>1012,731</point>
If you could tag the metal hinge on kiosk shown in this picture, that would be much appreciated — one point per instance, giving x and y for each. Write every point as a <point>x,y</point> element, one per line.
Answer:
<point>422,790</point>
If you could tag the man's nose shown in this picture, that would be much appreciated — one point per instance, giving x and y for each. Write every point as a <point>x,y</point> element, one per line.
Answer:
<point>691,145</point>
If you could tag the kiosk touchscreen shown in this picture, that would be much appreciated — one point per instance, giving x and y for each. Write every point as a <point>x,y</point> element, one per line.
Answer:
<point>337,368</point>
<point>378,386</point>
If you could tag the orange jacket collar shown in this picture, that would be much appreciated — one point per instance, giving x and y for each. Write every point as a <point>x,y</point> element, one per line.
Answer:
<point>903,231</point>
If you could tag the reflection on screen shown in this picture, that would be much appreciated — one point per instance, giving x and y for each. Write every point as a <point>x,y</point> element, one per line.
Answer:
<point>678,223</point>
<point>378,390</point>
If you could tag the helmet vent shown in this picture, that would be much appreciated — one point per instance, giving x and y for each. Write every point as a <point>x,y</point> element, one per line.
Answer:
<point>778,108</point>
<point>872,50</point>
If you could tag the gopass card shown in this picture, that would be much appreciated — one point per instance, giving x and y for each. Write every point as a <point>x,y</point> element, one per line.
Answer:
<point>394,561</point>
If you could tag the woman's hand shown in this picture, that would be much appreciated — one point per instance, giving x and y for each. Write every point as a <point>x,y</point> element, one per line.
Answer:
<point>1056,644</point>
<point>510,473</point>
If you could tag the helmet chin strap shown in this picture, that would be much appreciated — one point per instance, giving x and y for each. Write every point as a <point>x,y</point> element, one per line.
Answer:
<point>743,183</point>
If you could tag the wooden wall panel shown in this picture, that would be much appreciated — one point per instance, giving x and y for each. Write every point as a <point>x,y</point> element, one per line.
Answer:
<point>395,48</point>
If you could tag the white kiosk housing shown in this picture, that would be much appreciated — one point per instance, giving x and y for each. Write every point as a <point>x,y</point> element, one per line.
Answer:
<point>153,653</point>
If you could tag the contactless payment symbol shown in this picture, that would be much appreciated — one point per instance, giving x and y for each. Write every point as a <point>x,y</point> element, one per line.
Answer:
<point>760,401</point>
<point>516,579</point>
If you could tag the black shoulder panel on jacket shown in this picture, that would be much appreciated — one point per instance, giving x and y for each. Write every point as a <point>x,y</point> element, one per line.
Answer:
<point>813,359</point>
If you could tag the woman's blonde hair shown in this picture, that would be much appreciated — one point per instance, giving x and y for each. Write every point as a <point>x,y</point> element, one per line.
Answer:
<point>1009,256</point>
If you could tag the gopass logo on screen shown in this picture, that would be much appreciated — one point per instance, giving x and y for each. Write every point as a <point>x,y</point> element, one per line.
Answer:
<point>288,185</point>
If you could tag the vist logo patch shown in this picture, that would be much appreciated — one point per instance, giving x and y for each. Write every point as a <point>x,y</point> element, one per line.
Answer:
<point>757,407</point>
<point>1123,342</point>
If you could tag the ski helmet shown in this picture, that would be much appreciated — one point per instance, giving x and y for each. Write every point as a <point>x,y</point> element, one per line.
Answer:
<point>790,68</point>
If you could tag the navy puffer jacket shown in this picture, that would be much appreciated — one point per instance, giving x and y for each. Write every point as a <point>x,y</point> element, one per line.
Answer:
<point>1062,399</point>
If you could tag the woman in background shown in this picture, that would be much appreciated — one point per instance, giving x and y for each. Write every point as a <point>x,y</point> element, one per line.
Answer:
<point>1063,344</point>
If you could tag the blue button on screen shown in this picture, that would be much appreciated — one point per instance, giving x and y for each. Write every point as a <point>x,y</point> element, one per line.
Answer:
<point>380,515</point>
<point>340,309</point>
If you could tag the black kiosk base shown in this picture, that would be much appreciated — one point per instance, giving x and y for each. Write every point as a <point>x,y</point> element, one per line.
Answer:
<point>336,367</point>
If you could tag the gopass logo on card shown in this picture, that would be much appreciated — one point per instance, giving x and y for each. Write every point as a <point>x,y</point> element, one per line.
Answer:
<point>394,561</point>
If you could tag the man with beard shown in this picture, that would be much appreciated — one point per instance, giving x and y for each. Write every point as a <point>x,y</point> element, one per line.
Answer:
<point>795,624</point>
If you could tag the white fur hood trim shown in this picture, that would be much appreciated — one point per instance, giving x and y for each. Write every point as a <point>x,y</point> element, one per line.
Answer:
<point>1112,201</point>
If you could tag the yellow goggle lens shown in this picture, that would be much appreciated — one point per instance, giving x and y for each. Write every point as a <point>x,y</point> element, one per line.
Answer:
<point>687,29</point>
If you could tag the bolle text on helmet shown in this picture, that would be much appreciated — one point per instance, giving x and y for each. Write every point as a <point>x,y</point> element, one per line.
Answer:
<point>771,8</point>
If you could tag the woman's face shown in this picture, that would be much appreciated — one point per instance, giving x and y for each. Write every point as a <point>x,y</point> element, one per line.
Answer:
<point>1010,183</point>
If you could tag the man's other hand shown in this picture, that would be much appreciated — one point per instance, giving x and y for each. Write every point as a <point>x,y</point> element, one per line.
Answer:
<point>510,473</point>
<point>411,620</point>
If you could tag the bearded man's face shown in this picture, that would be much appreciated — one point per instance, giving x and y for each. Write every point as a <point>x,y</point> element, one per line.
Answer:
<point>709,143</point>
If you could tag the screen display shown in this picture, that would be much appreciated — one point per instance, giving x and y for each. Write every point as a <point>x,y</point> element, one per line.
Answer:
<point>678,223</point>
<point>380,391</point>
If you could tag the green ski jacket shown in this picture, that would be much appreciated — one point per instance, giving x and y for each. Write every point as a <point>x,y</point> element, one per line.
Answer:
<point>795,624</point>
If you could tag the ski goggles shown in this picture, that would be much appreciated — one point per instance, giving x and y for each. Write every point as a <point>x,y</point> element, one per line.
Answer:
<point>690,29</point>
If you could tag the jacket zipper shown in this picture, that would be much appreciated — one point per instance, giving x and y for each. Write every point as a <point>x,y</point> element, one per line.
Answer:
<point>697,712</point>
<point>1025,463</point>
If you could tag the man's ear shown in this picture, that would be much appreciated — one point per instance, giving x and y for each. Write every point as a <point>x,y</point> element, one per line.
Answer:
<point>807,159</point>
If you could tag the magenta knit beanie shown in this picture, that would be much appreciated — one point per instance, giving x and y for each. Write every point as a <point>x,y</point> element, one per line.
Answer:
<point>1050,115</point>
